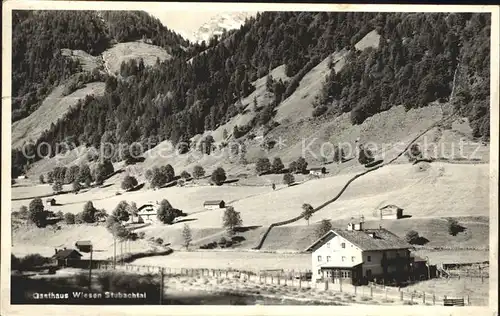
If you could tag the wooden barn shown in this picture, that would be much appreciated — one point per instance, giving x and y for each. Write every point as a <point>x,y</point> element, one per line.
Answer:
<point>213,205</point>
<point>317,171</point>
<point>66,257</point>
<point>50,202</point>
<point>391,212</point>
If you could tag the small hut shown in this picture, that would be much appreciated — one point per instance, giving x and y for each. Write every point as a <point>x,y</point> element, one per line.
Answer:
<point>391,211</point>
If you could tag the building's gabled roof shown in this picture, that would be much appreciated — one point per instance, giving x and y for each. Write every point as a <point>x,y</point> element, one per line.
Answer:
<point>214,202</point>
<point>66,253</point>
<point>317,168</point>
<point>145,206</point>
<point>383,240</point>
<point>147,210</point>
<point>83,243</point>
<point>391,206</point>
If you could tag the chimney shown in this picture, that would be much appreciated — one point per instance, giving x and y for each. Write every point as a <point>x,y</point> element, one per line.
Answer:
<point>55,249</point>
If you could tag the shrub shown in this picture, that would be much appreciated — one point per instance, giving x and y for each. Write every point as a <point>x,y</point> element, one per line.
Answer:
<point>454,227</point>
<point>219,176</point>
<point>324,227</point>
<point>76,186</point>
<point>141,235</point>
<point>186,235</point>
<point>198,172</point>
<point>278,165</point>
<point>122,211</point>
<point>231,220</point>
<point>288,179</point>
<point>412,237</point>
<point>37,212</point>
<point>129,182</point>
<point>69,218</point>
<point>301,165</point>
<point>263,165</point>
<point>42,179</point>
<point>365,155</point>
<point>31,261</point>
<point>222,241</point>
<point>413,153</point>
<point>307,211</point>
<point>185,175</point>
<point>57,187</point>
<point>159,241</point>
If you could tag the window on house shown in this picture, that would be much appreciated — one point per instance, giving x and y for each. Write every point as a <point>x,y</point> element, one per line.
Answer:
<point>328,245</point>
<point>319,258</point>
<point>369,258</point>
<point>319,271</point>
<point>328,258</point>
<point>343,258</point>
<point>343,245</point>
<point>353,258</point>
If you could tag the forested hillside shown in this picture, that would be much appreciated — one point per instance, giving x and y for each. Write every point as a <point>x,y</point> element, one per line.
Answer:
<point>416,63</point>
<point>38,37</point>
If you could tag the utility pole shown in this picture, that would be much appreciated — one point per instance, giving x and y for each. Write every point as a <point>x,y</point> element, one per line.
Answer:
<point>114,246</point>
<point>90,267</point>
<point>162,276</point>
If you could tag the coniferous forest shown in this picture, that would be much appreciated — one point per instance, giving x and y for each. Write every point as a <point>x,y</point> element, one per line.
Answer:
<point>420,55</point>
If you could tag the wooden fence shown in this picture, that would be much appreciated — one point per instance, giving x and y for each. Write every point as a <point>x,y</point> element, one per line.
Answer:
<point>295,279</point>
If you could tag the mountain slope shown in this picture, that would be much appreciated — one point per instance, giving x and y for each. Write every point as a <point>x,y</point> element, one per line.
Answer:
<point>177,101</point>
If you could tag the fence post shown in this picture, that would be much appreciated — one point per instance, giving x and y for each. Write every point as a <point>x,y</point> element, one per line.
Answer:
<point>386,293</point>
<point>433,299</point>
<point>401,295</point>
<point>300,282</point>
<point>355,290</point>
<point>411,297</point>
<point>423,299</point>
<point>326,285</point>
<point>468,299</point>
<point>272,281</point>
<point>371,291</point>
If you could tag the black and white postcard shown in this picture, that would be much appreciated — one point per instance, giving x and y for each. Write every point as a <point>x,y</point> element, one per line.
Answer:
<point>289,158</point>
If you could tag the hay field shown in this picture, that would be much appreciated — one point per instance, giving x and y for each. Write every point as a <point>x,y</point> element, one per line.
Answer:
<point>230,259</point>
<point>52,108</point>
<point>123,52</point>
<point>456,190</point>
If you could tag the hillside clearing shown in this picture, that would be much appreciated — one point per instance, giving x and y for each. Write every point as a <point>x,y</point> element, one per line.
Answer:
<point>52,108</point>
<point>123,52</point>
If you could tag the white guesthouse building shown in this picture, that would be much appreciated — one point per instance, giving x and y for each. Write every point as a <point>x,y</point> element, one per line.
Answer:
<point>355,255</point>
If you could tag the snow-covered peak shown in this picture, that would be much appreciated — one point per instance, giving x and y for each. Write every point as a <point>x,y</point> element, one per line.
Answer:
<point>218,23</point>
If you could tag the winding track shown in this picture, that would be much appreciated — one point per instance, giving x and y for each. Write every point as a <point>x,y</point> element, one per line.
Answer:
<point>289,221</point>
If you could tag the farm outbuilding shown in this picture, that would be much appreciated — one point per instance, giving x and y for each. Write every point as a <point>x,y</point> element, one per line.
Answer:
<point>50,202</point>
<point>391,212</point>
<point>146,214</point>
<point>317,171</point>
<point>213,205</point>
<point>84,245</point>
<point>66,257</point>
